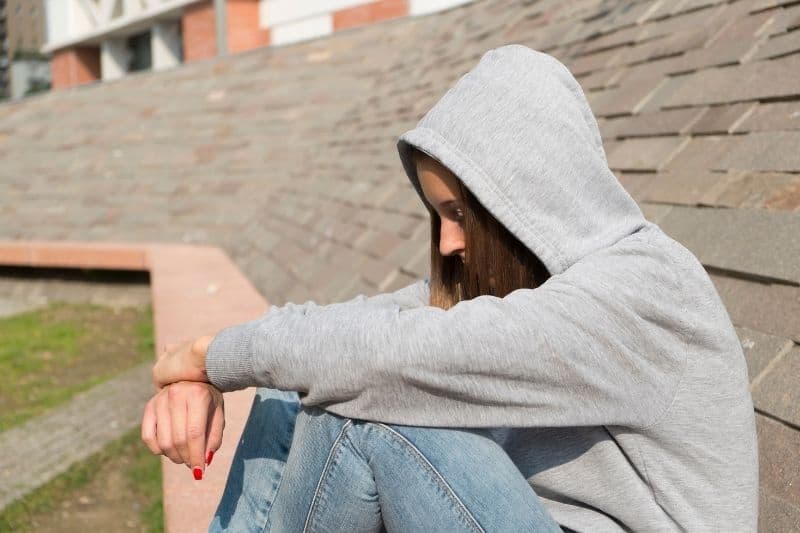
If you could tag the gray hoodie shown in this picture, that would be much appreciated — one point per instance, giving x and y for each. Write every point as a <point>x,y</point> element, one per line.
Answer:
<point>618,386</point>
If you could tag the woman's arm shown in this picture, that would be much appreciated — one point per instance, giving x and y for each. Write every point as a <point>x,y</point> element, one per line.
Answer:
<point>184,420</point>
<point>602,343</point>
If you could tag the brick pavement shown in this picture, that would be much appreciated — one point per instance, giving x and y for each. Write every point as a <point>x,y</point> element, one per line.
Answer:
<point>44,447</point>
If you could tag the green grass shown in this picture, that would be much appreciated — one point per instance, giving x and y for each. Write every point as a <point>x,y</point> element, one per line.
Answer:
<point>142,475</point>
<point>49,355</point>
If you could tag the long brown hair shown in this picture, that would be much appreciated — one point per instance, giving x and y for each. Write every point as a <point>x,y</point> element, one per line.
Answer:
<point>496,262</point>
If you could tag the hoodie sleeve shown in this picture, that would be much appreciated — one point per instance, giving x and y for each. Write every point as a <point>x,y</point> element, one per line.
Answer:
<point>603,343</point>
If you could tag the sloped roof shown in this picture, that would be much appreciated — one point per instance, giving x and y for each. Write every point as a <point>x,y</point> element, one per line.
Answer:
<point>285,157</point>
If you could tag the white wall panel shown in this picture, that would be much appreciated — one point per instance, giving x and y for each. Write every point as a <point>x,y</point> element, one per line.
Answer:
<point>275,12</point>
<point>301,30</point>
<point>423,7</point>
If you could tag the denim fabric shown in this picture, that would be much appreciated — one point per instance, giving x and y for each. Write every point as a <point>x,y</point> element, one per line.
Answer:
<point>306,470</point>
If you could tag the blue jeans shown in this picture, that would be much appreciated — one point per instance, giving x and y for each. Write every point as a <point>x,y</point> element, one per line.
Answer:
<point>305,470</point>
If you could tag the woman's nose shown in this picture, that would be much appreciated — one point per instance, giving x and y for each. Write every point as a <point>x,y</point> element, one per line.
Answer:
<point>451,238</point>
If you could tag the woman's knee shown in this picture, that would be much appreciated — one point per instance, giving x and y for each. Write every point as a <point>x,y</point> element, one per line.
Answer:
<point>466,480</point>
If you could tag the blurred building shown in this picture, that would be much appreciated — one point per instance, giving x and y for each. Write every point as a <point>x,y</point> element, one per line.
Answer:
<point>3,51</point>
<point>106,39</point>
<point>28,68</point>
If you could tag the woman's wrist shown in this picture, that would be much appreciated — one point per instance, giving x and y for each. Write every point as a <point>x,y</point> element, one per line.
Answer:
<point>198,352</point>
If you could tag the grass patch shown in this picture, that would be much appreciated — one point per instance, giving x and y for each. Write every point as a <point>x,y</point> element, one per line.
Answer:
<point>51,354</point>
<point>117,488</point>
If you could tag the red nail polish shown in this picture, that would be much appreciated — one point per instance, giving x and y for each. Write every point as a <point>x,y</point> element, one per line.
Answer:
<point>209,457</point>
<point>198,474</point>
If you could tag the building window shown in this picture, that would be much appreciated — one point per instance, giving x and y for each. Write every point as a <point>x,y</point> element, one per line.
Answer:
<point>139,52</point>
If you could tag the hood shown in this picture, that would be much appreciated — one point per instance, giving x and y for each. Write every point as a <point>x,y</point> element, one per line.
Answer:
<point>519,133</point>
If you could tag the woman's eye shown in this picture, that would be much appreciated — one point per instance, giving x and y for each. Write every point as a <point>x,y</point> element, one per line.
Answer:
<point>459,214</point>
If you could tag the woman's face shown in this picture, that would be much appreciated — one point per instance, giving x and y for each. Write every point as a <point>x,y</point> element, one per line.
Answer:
<point>440,187</point>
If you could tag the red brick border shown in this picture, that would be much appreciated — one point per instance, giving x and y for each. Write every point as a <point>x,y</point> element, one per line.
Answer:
<point>195,290</point>
<point>369,13</point>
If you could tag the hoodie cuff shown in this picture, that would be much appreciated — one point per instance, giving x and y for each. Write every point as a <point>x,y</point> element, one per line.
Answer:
<point>229,359</point>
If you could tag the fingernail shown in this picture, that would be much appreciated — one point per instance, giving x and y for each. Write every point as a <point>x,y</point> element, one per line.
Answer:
<point>209,457</point>
<point>198,474</point>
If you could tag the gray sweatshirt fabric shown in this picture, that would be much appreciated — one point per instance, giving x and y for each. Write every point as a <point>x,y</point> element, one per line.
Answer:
<point>618,387</point>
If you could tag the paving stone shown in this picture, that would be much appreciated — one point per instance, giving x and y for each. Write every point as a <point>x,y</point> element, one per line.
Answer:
<point>45,446</point>
<point>777,392</point>
<point>636,183</point>
<point>399,281</point>
<point>772,117</point>
<point>761,5</point>
<point>378,243</point>
<point>767,307</point>
<point>655,213</point>
<point>600,79</point>
<point>10,307</point>
<point>623,100</point>
<point>679,22</point>
<point>761,189</point>
<point>702,153</point>
<point>779,469</point>
<point>764,151</point>
<point>591,62</point>
<point>721,119</point>
<point>377,273</point>
<point>760,349</point>
<point>789,19</point>
<point>656,99</point>
<point>686,188</point>
<point>779,45</point>
<point>671,122</point>
<point>762,79</point>
<point>644,154</point>
<point>743,27</point>
<point>666,46</point>
<point>777,515</point>
<point>693,5</point>
<point>762,243</point>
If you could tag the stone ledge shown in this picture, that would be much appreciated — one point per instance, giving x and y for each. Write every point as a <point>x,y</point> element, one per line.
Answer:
<point>195,290</point>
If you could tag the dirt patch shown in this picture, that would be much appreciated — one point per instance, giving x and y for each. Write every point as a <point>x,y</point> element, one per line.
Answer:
<point>118,489</point>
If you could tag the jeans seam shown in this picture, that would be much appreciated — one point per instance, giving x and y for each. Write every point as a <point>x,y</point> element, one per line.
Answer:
<point>268,521</point>
<point>325,470</point>
<point>440,478</point>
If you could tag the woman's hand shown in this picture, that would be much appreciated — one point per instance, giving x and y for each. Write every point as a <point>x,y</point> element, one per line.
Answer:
<point>183,362</point>
<point>184,421</point>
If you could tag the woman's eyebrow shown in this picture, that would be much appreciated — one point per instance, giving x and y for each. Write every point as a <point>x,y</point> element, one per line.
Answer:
<point>447,203</point>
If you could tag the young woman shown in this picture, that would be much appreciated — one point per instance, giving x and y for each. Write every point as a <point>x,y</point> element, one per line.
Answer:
<point>566,365</point>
